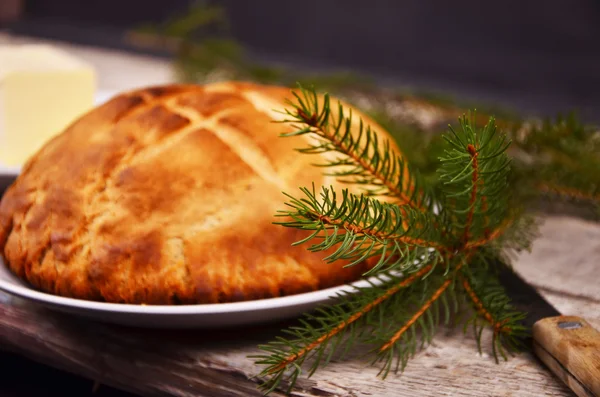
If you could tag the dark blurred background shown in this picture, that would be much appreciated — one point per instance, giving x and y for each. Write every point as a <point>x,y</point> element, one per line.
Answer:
<point>539,57</point>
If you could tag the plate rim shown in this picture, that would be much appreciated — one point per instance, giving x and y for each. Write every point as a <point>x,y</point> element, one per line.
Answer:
<point>311,297</point>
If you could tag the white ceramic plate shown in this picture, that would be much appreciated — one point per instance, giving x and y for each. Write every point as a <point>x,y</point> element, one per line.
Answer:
<point>181,316</point>
<point>9,173</point>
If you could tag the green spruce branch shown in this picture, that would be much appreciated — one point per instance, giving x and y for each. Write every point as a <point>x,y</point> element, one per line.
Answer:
<point>362,228</point>
<point>363,160</point>
<point>428,249</point>
<point>492,308</point>
<point>363,316</point>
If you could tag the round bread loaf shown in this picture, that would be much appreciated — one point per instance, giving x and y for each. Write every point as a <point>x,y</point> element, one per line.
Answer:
<point>167,195</point>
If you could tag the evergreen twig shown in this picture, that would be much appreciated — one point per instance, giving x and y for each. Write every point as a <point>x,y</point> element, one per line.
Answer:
<point>365,161</point>
<point>492,307</point>
<point>320,330</point>
<point>361,228</point>
<point>443,254</point>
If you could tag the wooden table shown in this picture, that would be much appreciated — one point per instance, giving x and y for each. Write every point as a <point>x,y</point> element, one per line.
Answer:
<point>563,265</point>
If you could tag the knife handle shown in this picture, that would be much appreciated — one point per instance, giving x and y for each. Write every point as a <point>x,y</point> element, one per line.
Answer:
<point>570,347</point>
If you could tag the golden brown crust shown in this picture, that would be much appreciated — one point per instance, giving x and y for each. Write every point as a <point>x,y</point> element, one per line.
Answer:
<point>166,195</point>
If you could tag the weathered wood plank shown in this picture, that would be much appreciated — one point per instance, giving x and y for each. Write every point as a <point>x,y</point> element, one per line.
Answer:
<point>568,305</point>
<point>565,258</point>
<point>215,364</point>
<point>130,359</point>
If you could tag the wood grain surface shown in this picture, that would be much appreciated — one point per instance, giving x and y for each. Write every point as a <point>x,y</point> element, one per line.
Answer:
<point>564,264</point>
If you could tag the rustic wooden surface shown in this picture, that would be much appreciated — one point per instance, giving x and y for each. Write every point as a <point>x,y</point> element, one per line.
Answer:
<point>564,265</point>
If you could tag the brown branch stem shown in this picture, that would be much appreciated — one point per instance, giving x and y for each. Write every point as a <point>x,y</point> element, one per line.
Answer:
<point>358,230</point>
<point>341,326</point>
<point>436,295</point>
<point>312,121</point>
<point>569,192</point>
<point>498,326</point>
<point>489,237</point>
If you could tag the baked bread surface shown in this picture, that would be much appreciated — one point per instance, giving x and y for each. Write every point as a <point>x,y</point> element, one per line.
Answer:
<point>167,195</point>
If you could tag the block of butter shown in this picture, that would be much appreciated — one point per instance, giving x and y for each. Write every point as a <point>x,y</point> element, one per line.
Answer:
<point>42,90</point>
